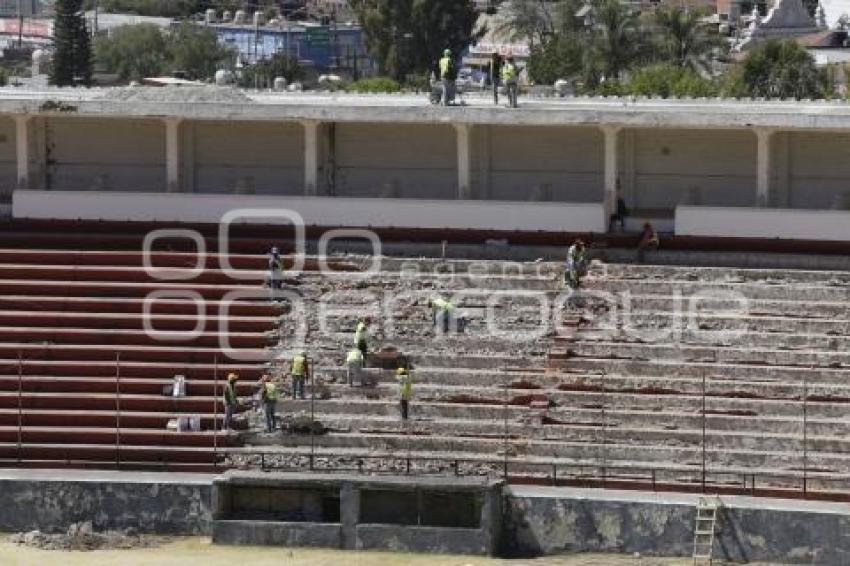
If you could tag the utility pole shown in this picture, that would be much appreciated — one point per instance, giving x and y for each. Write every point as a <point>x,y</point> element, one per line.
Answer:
<point>20,24</point>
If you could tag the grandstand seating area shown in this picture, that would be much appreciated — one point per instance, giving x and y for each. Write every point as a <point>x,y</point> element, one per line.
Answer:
<point>613,390</point>
<point>618,392</point>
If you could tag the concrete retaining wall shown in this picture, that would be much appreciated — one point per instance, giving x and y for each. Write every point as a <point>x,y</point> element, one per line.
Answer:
<point>50,501</point>
<point>763,223</point>
<point>542,520</point>
<point>322,211</point>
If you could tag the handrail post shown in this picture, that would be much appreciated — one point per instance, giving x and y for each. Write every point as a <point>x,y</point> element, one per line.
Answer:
<point>309,378</point>
<point>215,412</point>
<point>505,430</point>
<point>20,404</point>
<point>118,410</point>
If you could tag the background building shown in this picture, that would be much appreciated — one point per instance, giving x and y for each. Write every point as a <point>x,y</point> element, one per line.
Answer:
<point>11,8</point>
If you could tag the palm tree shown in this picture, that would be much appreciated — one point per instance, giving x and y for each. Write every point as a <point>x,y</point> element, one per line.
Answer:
<point>684,40</point>
<point>618,40</point>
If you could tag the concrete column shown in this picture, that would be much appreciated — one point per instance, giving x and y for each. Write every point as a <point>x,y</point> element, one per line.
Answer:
<point>349,511</point>
<point>464,161</point>
<point>311,157</point>
<point>172,154</point>
<point>22,150</point>
<point>483,147</point>
<point>763,166</point>
<point>611,135</point>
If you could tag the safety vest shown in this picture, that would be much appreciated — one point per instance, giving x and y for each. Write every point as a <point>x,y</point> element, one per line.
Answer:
<point>574,253</point>
<point>442,304</point>
<point>272,392</point>
<point>354,355</point>
<point>229,394</point>
<point>360,333</point>
<point>446,64</point>
<point>298,363</point>
<point>509,72</point>
<point>405,386</point>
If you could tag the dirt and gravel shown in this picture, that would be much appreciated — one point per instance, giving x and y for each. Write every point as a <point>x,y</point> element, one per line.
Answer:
<point>82,537</point>
<point>220,95</point>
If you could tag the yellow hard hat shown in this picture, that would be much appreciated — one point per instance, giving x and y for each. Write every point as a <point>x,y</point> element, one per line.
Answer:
<point>401,371</point>
<point>232,377</point>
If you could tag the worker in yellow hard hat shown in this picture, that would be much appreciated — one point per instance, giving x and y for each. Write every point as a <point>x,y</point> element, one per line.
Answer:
<point>230,400</point>
<point>405,390</point>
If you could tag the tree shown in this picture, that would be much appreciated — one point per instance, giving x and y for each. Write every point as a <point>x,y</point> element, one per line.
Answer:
<point>195,50</point>
<point>72,58</point>
<point>134,51</point>
<point>407,36</point>
<point>559,57</point>
<point>683,39</point>
<point>780,69</point>
<point>618,41</point>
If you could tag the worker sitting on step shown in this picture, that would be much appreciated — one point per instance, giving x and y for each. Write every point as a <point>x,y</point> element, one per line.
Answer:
<point>648,241</point>
<point>442,312</point>
<point>405,390</point>
<point>354,361</point>
<point>576,265</point>
<point>269,394</point>
<point>298,370</point>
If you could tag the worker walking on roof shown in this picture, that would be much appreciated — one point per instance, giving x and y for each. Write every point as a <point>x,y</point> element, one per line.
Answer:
<point>448,77</point>
<point>405,391</point>
<point>495,75</point>
<point>442,312</point>
<point>231,401</point>
<point>298,370</point>
<point>354,361</point>
<point>576,265</point>
<point>510,77</point>
<point>269,394</point>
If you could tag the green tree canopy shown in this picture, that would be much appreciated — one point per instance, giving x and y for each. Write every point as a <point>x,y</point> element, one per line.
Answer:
<point>145,50</point>
<point>682,38</point>
<point>72,57</point>
<point>780,69</point>
<point>134,52</point>
<point>408,36</point>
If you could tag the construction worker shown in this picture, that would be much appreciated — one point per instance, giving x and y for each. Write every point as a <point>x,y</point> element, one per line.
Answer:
<point>230,400</point>
<point>510,78</point>
<point>576,264</point>
<point>275,268</point>
<point>354,361</point>
<point>269,394</point>
<point>496,75</point>
<point>405,390</point>
<point>298,370</point>
<point>448,76</point>
<point>360,332</point>
<point>648,240</point>
<point>442,312</point>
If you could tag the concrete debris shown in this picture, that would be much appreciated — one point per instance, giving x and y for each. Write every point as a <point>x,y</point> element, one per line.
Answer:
<point>178,94</point>
<point>82,537</point>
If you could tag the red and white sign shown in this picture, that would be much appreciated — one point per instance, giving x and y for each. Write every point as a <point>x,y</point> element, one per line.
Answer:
<point>503,49</point>
<point>32,28</point>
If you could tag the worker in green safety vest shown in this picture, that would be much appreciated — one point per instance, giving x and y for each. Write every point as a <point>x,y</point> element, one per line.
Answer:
<point>269,394</point>
<point>405,391</point>
<point>510,78</point>
<point>442,312</point>
<point>298,370</point>
<point>230,400</point>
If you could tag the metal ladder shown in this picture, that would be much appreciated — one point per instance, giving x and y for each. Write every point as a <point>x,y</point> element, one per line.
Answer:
<point>708,510</point>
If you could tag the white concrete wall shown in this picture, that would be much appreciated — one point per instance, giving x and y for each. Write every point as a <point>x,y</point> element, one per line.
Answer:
<point>763,223</point>
<point>323,211</point>
<point>721,164</point>
<point>523,160</point>
<point>120,154</point>
<point>8,164</point>
<point>267,155</point>
<point>420,161</point>
<point>818,168</point>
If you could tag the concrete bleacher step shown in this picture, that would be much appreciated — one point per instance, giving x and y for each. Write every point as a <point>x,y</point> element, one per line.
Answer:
<point>164,455</point>
<point>132,385</point>
<point>122,274</point>
<point>235,291</point>
<point>800,306</point>
<point>125,436</point>
<point>113,306</point>
<point>116,337</point>
<point>103,419</point>
<point>811,292</point>
<point>204,370</point>
<point>639,320</point>
<point>727,274</point>
<point>110,401</point>
<point>109,352</point>
<point>134,321</point>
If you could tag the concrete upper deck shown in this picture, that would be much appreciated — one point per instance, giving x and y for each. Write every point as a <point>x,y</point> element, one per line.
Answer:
<point>414,108</point>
